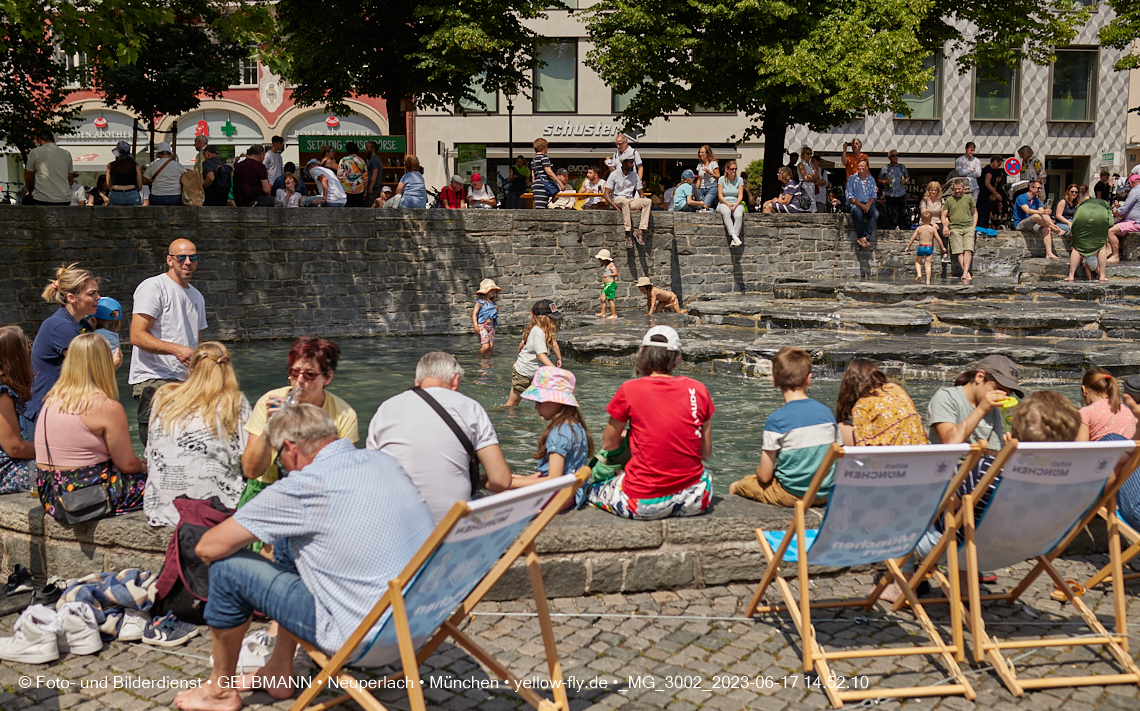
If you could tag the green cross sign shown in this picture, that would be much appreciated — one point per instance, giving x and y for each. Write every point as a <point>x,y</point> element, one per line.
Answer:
<point>229,129</point>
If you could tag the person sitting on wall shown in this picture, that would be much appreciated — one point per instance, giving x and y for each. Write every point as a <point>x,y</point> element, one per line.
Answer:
<point>1029,215</point>
<point>624,192</point>
<point>454,196</point>
<point>861,196</point>
<point>1129,214</point>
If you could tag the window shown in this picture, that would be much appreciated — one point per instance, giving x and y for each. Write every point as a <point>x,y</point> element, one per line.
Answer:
<point>76,67</point>
<point>698,109</point>
<point>997,94</point>
<point>620,102</point>
<point>248,69</point>
<point>484,101</point>
<point>557,82</point>
<point>1073,95</point>
<point>927,105</point>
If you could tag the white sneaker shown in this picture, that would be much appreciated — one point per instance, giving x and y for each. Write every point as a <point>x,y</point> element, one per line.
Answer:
<point>134,624</point>
<point>736,241</point>
<point>256,649</point>
<point>33,641</point>
<point>77,623</point>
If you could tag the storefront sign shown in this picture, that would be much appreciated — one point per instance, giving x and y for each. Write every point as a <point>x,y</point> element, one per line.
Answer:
<point>1108,158</point>
<point>580,129</point>
<point>386,144</point>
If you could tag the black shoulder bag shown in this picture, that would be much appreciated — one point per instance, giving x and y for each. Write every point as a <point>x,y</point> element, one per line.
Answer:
<point>473,464</point>
<point>83,501</point>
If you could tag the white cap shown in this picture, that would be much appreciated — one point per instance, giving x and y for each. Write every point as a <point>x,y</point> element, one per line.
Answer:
<point>672,340</point>
<point>163,147</point>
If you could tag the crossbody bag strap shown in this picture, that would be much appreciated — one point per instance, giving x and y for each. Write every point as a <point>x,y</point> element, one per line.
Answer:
<point>473,467</point>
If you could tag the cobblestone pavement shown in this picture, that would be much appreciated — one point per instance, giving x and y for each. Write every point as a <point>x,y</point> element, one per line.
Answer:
<point>693,644</point>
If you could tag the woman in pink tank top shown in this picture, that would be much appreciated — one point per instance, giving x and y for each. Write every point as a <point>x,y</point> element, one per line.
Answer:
<point>82,438</point>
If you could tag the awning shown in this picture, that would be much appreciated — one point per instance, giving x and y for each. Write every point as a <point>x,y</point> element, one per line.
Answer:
<point>89,158</point>
<point>599,152</point>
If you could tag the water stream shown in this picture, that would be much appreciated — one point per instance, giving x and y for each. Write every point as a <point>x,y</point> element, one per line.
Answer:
<point>373,369</point>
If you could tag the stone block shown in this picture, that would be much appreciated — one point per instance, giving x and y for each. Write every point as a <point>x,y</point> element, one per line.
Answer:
<point>661,571</point>
<point>607,575</point>
<point>731,564</point>
<point>577,531</point>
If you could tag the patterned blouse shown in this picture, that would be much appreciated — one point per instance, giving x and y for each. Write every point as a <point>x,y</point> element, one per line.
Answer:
<point>887,417</point>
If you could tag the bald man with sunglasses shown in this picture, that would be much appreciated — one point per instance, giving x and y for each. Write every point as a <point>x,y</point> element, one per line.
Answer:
<point>167,321</point>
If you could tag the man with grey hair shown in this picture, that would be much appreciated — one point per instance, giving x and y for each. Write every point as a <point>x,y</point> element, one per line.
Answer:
<point>343,524</point>
<point>624,151</point>
<point>410,428</point>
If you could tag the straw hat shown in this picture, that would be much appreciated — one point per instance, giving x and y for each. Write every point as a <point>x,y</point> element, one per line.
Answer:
<point>487,285</point>
<point>644,281</point>
<point>604,254</point>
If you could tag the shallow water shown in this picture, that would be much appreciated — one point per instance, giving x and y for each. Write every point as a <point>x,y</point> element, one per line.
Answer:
<point>373,369</point>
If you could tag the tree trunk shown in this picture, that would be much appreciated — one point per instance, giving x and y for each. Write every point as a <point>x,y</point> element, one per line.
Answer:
<point>397,119</point>
<point>775,133</point>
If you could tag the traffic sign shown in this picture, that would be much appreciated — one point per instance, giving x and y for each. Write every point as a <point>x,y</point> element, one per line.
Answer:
<point>1012,166</point>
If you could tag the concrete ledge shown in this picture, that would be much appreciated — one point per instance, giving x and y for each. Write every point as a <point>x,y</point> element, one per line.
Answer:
<point>582,552</point>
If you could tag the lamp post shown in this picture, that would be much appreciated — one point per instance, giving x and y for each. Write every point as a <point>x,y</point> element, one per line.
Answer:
<point>510,130</point>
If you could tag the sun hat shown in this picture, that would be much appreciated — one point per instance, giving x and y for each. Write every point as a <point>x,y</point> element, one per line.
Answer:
<point>672,340</point>
<point>122,149</point>
<point>1004,371</point>
<point>688,174</point>
<point>644,281</point>
<point>476,178</point>
<point>546,307</point>
<point>487,285</point>
<point>163,147</point>
<point>604,254</point>
<point>551,384</point>
<point>107,308</point>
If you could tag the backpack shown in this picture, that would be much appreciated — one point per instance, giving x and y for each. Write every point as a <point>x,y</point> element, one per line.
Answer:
<point>224,178</point>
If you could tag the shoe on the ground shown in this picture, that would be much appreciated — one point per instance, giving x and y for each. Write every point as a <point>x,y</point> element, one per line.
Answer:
<point>945,258</point>
<point>256,649</point>
<point>34,637</point>
<point>77,624</point>
<point>134,625</point>
<point>19,581</point>
<point>169,631</point>
<point>50,593</point>
<point>986,578</point>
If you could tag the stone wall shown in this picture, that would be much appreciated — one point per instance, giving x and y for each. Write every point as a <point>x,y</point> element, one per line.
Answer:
<point>270,272</point>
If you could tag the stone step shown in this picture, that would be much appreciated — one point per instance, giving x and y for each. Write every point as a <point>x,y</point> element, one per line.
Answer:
<point>1116,291</point>
<point>1037,270</point>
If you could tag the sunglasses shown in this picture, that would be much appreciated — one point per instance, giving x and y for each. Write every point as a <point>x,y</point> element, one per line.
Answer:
<point>306,374</point>
<point>180,258</point>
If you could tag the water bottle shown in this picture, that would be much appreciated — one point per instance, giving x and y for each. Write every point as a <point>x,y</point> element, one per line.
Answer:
<point>291,398</point>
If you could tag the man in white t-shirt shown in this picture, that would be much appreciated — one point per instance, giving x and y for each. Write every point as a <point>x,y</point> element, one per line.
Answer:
<point>593,184</point>
<point>168,318</point>
<point>408,429</point>
<point>624,192</point>
<point>274,163</point>
<point>330,191</point>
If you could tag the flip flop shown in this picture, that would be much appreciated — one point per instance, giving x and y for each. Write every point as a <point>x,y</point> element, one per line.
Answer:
<point>640,237</point>
<point>1076,588</point>
<point>628,240</point>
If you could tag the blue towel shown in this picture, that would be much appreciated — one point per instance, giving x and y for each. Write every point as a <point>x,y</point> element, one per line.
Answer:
<point>775,538</point>
<point>986,231</point>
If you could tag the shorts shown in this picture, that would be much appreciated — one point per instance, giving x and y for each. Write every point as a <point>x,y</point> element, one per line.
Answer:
<point>925,250</point>
<point>1028,224</point>
<point>1128,226</point>
<point>519,382</point>
<point>486,331</point>
<point>771,493</point>
<point>961,239</point>
<point>788,208</point>
<point>609,290</point>
<point>691,501</point>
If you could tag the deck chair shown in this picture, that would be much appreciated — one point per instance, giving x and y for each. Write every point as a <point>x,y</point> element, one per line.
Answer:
<point>1127,528</point>
<point>1047,494</point>
<point>470,549</point>
<point>882,501</point>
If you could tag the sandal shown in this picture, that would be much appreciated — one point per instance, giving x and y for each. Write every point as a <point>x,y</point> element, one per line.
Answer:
<point>1076,588</point>
<point>628,240</point>
<point>640,238</point>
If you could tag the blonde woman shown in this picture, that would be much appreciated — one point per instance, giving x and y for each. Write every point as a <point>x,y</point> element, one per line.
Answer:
<point>932,201</point>
<point>76,292</point>
<point>81,432</point>
<point>197,436</point>
<point>708,172</point>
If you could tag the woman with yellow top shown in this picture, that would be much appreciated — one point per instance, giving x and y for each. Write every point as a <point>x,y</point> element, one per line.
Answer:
<point>312,365</point>
<point>872,412</point>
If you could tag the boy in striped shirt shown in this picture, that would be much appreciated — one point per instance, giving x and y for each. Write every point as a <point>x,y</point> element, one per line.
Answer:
<point>796,438</point>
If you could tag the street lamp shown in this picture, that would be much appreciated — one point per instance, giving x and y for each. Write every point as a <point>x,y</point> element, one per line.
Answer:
<point>510,130</point>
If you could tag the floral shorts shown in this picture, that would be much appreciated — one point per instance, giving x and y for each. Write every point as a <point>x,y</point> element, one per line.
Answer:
<point>124,490</point>
<point>16,475</point>
<point>692,501</point>
<point>486,331</point>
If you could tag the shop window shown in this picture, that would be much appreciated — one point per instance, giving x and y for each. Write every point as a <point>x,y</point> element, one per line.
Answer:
<point>1073,92</point>
<point>556,83</point>
<point>483,102</point>
<point>997,94</point>
<point>927,105</point>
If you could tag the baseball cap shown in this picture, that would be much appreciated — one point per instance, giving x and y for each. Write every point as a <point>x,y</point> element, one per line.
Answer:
<point>107,309</point>
<point>386,189</point>
<point>672,340</point>
<point>1133,179</point>
<point>688,174</point>
<point>457,178</point>
<point>1131,385</point>
<point>210,148</point>
<point>1004,371</point>
<point>546,307</point>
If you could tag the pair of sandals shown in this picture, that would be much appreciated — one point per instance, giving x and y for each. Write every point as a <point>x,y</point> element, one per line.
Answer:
<point>636,233</point>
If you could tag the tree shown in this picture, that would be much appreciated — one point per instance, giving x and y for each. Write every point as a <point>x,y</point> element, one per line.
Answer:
<point>32,89</point>
<point>1121,32</point>
<point>180,61</point>
<point>437,51</point>
<point>814,62</point>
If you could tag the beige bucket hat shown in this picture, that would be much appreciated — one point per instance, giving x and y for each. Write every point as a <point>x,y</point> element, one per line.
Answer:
<point>604,254</point>
<point>644,281</point>
<point>487,285</point>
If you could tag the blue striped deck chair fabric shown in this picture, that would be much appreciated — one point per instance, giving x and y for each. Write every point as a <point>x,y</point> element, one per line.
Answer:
<point>883,499</point>
<point>469,551</point>
<point>1048,492</point>
<point>1128,528</point>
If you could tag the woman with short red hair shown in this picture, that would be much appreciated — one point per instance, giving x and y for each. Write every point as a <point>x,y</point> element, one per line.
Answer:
<point>312,365</point>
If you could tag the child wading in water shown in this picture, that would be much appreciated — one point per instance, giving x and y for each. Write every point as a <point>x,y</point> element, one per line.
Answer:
<point>565,446</point>
<point>925,233</point>
<point>485,316</point>
<point>609,283</point>
<point>540,340</point>
<point>658,299</point>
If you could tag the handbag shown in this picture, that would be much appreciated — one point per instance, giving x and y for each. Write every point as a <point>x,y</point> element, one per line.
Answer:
<point>73,501</point>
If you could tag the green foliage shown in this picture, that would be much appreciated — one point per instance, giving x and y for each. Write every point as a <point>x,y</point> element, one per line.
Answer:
<point>114,28</point>
<point>31,89</point>
<point>755,171</point>
<point>1122,31</point>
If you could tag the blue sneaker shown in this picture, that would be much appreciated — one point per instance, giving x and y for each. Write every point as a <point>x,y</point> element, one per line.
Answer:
<point>168,631</point>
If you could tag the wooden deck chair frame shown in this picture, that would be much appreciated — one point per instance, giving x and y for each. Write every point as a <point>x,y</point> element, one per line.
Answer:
<point>991,650</point>
<point>800,607</point>
<point>410,660</point>
<point>1133,550</point>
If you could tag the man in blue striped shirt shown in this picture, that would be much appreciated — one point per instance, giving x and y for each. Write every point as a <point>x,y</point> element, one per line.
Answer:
<point>861,195</point>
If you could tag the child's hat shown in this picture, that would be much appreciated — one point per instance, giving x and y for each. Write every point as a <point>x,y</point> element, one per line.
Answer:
<point>107,309</point>
<point>552,384</point>
<point>604,254</point>
<point>687,174</point>
<point>644,281</point>
<point>546,307</point>
<point>487,285</point>
<point>672,341</point>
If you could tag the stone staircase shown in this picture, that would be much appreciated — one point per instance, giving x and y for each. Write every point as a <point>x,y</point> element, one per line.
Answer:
<point>1053,329</point>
